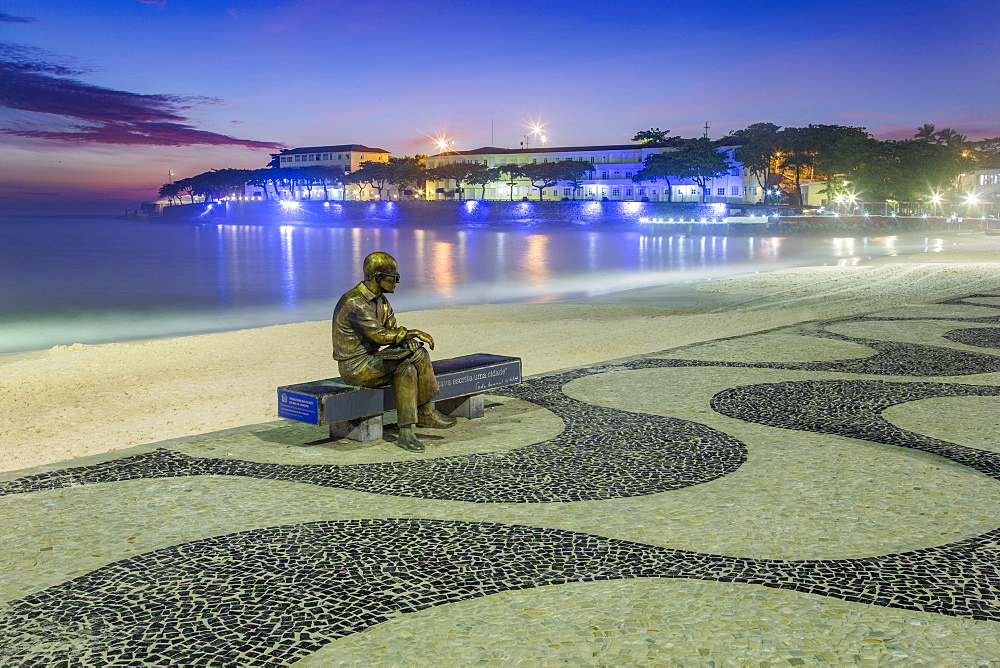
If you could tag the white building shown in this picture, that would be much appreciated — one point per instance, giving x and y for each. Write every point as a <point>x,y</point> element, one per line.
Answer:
<point>986,181</point>
<point>614,167</point>
<point>347,157</point>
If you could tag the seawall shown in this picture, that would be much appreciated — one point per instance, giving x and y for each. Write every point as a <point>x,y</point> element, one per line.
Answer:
<point>486,212</point>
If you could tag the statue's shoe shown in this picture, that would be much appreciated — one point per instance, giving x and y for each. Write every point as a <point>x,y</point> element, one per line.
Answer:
<point>436,420</point>
<point>408,441</point>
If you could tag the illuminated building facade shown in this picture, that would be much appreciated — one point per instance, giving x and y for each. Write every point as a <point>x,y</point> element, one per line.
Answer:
<point>346,157</point>
<point>614,167</point>
<point>986,182</point>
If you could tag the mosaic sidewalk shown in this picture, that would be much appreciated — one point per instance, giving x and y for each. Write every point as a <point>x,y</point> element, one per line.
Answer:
<point>822,494</point>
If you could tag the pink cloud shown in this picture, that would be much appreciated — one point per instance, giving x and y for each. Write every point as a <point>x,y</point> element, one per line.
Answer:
<point>148,133</point>
<point>49,93</point>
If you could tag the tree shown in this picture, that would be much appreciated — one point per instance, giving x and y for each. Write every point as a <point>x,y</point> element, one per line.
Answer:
<point>986,153</point>
<point>659,166</point>
<point>904,170</point>
<point>405,172</point>
<point>217,183</point>
<point>327,175</point>
<point>375,173</point>
<point>170,191</point>
<point>263,177</point>
<point>949,137</point>
<point>359,178</point>
<point>575,184</point>
<point>513,173</point>
<point>758,145</point>
<point>700,161</point>
<point>926,133</point>
<point>282,177</point>
<point>574,172</point>
<point>655,137</point>
<point>459,172</point>
<point>811,150</point>
<point>185,186</point>
<point>482,176</point>
<point>309,176</point>
<point>544,175</point>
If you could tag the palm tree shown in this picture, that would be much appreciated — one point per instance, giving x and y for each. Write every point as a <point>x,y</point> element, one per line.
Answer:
<point>949,137</point>
<point>926,133</point>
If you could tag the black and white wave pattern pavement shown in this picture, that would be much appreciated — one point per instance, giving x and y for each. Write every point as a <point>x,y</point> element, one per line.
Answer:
<point>272,595</point>
<point>602,453</point>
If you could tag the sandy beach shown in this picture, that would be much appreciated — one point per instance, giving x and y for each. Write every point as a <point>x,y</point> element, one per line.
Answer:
<point>77,400</point>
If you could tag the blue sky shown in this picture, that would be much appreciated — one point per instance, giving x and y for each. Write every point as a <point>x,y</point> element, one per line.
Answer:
<point>113,95</point>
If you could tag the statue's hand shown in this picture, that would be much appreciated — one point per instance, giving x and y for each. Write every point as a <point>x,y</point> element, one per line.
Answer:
<point>423,336</point>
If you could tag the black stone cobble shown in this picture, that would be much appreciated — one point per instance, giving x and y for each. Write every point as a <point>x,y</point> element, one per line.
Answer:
<point>272,596</point>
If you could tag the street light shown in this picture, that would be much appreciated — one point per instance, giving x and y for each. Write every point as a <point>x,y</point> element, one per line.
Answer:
<point>443,144</point>
<point>537,129</point>
<point>971,200</point>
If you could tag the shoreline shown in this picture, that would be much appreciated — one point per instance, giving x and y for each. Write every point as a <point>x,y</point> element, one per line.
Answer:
<point>972,242</point>
<point>81,400</point>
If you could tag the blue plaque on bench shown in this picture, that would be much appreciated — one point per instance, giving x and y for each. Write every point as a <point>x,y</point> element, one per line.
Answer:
<point>301,407</point>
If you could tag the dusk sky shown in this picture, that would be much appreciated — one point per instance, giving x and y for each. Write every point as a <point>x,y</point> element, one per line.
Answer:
<point>100,99</point>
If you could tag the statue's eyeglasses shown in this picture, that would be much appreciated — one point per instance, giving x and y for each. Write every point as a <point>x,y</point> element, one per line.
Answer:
<point>394,277</point>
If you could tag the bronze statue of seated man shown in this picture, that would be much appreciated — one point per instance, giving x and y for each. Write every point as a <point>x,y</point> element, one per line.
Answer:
<point>363,322</point>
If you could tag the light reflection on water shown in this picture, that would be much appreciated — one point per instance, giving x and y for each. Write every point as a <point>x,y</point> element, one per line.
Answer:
<point>106,280</point>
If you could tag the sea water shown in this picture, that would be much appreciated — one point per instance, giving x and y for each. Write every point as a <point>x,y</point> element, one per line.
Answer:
<point>66,280</point>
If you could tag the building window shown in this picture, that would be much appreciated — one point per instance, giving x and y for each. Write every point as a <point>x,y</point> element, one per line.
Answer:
<point>628,192</point>
<point>618,175</point>
<point>604,175</point>
<point>298,158</point>
<point>652,191</point>
<point>642,192</point>
<point>694,190</point>
<point>567,192</point>
<point>721,192</point>
<point>615,192</point>
<point>735,190</point>
<point>628,174</point>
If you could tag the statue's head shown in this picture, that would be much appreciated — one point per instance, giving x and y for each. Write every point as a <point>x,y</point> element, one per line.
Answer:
<point>381,269</point>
